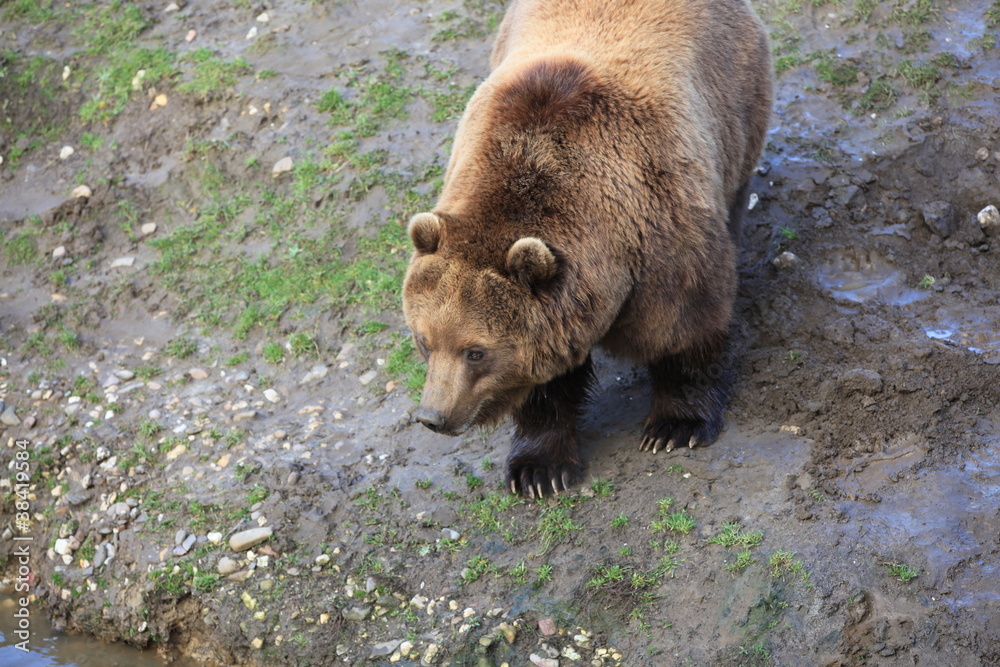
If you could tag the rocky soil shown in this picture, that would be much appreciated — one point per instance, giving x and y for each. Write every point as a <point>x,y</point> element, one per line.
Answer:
<point>201,350</point>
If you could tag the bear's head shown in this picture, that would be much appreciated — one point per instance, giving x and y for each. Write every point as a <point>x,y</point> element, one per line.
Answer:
<point>481,326</point>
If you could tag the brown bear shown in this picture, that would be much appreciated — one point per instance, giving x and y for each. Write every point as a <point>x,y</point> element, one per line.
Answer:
<point>594,196</point>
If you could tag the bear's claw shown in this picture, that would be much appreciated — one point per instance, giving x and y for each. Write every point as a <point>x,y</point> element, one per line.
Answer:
<point>533,482</point>
<point>670,434</point>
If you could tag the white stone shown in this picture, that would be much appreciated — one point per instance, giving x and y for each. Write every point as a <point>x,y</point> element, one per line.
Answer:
<point>245,539</point>
<point>368,377</point>
<point>214,537</point>
<point>272,395</point>
<point>786,260</point>
<point>59,252</point>
<point>282,165</point>
<point>175,452</point>
<point>66,152</point>
<point>62,547</point>
<point>989,219</point>
<point>263,18</point>
<point>81,191</point>
<point>122,262</point>
<point>148,228</point>
<point>252,32</point>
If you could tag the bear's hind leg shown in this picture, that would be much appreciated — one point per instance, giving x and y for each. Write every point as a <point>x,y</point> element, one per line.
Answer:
<point>689,393</point>
<point>546,450</point>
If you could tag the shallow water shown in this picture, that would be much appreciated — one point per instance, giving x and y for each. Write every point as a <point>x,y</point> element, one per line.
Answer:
<point>48,647</point>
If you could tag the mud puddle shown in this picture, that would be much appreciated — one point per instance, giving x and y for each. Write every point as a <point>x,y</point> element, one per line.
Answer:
<point>48,647</point>
<point>860,275</point>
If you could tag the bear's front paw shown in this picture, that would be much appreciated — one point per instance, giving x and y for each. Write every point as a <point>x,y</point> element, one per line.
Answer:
<point>668,434</point>
<point>533,477</point>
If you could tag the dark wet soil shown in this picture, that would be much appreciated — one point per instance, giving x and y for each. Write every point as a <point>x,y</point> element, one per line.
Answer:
<point>861,441</point>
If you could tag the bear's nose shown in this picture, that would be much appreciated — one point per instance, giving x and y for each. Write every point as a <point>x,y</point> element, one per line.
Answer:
<point>432,419</point>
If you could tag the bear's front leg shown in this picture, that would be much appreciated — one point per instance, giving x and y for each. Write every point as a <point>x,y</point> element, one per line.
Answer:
<point>689,393</point>
<point>546,450</point>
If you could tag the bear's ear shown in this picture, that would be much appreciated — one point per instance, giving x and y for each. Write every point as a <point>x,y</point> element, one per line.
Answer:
<point>426,230</point>
<point>531,262</point>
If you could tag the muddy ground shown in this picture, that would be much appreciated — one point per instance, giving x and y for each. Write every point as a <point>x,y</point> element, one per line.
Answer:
<point>244,364</point>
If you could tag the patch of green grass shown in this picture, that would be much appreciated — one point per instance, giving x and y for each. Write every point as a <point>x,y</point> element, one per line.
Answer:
<point>303,345</point>
<point>913,12</point>
<point>423,484</point>
<point>379,98</point>
<point>211,76</point>
<point>487,513</point>
<point>554,526</point>
<point>786,62</point>
<point>404,362</point>
<point>788,233</point>
<point>274,353</point>
<point>784,564</point>
<point>921,76</point>
<point>620,521</point>
<point>916,41</point>
<point>543,575</point>
<point>114,79</point>
<point>519,572</point>
<point>473,482</point>
<point>21,248</point>
<point>238,359</point>
<point>258,493</point>
<point>663,505</point>
<point>92,142</point>
<point>743,560</point>
<point>669,562</point>
<point>148,372</point>
<point>30,11</point>
<point>831,70</point>
<point>476,567</point>
<point>878,97</point>
<point>992,14</point>
<point>602,488</point>
<point>605,574</point>
<point>449,103</point>
<point>680,522</point>
<point>181,348</point>
<point>149,428</point>
<point>902,572</point>
<point>732,535</point>
<point>927,281</point>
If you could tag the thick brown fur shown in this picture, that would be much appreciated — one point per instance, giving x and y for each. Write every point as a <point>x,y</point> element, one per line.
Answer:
<point>618,138</point>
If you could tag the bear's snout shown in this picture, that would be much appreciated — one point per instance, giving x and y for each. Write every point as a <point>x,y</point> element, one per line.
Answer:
<point>432,419</point>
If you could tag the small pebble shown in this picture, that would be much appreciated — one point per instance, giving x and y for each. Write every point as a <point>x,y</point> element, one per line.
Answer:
<point>272,395</point>
<point>227,565</point>
<point>66,152</point>
<point>786,260</point>
<point>81,191</point>
<point>191,34</point>
<point>148,228</point>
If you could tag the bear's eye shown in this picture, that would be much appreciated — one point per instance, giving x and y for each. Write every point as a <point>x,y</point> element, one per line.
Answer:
<point>474,355</point>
